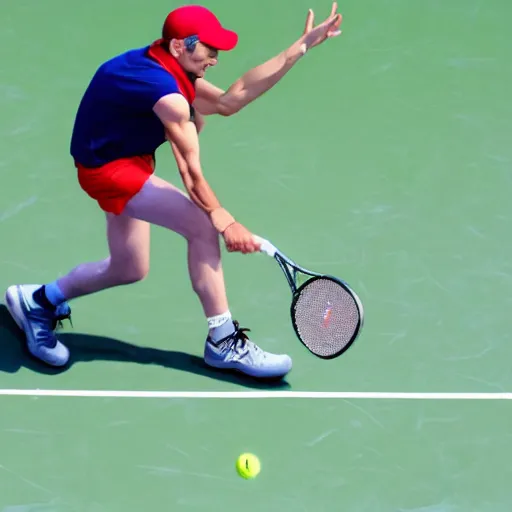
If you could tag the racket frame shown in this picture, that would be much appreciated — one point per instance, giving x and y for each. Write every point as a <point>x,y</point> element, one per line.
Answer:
<point>290,270</point>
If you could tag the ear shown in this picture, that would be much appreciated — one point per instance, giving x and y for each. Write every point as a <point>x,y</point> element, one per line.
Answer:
<point>176,47</point>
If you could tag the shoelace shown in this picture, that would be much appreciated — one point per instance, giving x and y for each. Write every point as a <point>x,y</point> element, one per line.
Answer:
<point>61,313</point>
<point>239,338</point>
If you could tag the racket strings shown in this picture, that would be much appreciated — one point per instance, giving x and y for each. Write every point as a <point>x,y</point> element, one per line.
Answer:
<point>326,317</point>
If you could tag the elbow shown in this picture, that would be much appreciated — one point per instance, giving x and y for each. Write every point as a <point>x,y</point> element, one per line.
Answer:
<point>228,108</point>
<point>228,111</point>
<point>199,122</point>
<point>200,125</point>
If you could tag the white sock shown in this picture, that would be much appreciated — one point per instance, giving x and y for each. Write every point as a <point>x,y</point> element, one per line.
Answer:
<point>220,326</point>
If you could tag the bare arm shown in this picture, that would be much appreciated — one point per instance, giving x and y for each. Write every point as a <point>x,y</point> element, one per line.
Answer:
<point>257,81</point>
<point>180,160</point>
<point>199,121</point>
<point>174,112</point>
<point>212,100</point>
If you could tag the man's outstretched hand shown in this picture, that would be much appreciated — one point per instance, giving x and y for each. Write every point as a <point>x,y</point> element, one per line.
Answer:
<point>329,28</point>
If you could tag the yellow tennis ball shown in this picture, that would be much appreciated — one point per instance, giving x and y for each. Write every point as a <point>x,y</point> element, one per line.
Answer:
<point>248,466</point>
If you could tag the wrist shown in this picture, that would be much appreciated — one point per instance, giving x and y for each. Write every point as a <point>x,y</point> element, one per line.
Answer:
<point>221,219</point>
<point>296,51</point>
<point>303,47</point>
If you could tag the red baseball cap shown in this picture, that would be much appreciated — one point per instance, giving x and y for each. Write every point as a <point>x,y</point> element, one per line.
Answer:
<point>195,20</point>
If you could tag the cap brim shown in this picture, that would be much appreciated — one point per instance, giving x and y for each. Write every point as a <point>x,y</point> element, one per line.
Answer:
<point>219,38</point>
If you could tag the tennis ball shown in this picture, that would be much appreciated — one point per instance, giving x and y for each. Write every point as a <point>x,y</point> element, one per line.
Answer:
<point>248,466</point>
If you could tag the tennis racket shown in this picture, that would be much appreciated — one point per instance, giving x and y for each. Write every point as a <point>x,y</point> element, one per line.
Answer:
<point>327,315</point>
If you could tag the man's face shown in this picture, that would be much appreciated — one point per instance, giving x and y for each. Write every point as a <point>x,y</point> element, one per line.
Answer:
<point>198,61</point>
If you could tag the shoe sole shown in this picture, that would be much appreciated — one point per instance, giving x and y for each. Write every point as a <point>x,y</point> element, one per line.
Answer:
<point>229,368</point>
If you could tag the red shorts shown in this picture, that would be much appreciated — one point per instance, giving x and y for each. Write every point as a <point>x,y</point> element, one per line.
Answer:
<point>115,183</point>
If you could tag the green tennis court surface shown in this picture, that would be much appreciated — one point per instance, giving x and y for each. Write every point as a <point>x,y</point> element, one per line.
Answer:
<point>384,158</point>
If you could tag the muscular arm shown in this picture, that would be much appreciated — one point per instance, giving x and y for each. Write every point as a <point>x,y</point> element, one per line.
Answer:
<point>213,100</point>
<point>174,112</point>
<point>257,81</point>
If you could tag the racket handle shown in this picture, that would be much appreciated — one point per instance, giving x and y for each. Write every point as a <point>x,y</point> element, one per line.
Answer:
<point>266,246</point>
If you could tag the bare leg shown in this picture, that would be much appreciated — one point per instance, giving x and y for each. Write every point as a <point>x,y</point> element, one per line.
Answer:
<point>128,235</point>
<point>128,262</point>
<point>160,203</point>
<point>33,310</point>
<point>165,205</point>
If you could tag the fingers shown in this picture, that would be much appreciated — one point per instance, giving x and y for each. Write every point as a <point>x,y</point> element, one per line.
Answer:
<point>309,21</point>
<point>250,246</point>
<point>243,247</point>
<point>334,18</point>
<point>245,244</point>
<point>334,28</point>
<point>331,23</point>
<point>327,29</point>
<point>335,21</point>
<point>239,239</point>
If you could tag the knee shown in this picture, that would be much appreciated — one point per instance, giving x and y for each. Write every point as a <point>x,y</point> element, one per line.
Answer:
<point>129,274</point>
<point>204,232</point>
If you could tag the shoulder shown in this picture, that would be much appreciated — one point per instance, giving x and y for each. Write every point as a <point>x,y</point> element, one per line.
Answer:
<point>173,108</point>
<point>134,74</point>
<point>135,62</point>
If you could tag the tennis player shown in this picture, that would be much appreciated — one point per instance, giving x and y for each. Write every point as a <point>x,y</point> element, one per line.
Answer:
<point>134,103</point>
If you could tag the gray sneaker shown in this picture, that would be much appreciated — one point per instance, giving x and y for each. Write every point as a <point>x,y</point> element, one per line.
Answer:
<point>238,352</point>
<point>38,323</point>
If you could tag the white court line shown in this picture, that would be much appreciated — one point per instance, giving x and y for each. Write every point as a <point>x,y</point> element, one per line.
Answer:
<point>254,394</point>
